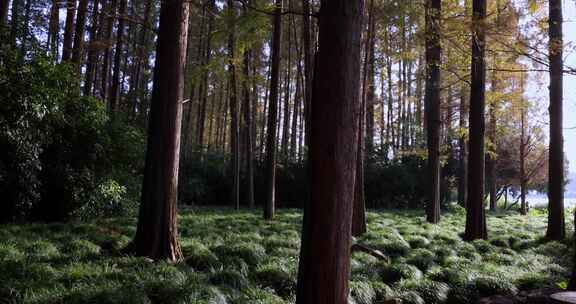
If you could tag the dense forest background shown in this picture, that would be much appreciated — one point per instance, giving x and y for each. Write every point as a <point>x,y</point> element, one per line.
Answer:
<point>74,132</point>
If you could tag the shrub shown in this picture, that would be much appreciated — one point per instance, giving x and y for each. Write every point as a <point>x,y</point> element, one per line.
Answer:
<point>229,278</point>
<point>462,295</point>
<point>362,292</point>
<point>418,242</point>
<point>421,258</point>
<point>42,250</point>
<point>489,286</point>
<point>431,292</point>
<point>410,297</point>
<point>250,253</point>
<point>394,273</point>
<point>277,278</point>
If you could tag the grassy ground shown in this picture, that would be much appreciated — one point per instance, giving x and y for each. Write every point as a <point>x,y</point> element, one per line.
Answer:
<point>235,257</point>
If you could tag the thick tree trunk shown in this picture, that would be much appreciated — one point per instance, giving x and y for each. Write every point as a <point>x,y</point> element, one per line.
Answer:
<point>92,53</point>
<point>157,236</point>
<point>69,30</point>
<point>234,109</point>
<point>114,99</point>
<point>432,104</point>
<point>271,142</point>
<point>325,252</point>
<point>475,210</point>
<point>556,229</point>
<point>78,48</point>
<point>463,146</point>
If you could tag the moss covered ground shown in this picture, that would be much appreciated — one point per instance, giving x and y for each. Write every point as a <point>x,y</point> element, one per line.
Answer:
<point>236,257</point>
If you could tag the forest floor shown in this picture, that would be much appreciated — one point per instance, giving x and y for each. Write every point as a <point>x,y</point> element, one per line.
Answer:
<point>236,257</point>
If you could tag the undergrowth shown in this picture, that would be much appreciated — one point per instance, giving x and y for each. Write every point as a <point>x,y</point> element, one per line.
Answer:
<point>236,257</point>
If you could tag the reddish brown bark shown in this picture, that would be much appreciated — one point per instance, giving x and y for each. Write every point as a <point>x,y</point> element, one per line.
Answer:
<point>271,139</point>
<point>475,210</point>
<point>69,30</point>
<point>556,227</point>
<point>157,236</point>
<point>79,34</point>
<point>325,252</point>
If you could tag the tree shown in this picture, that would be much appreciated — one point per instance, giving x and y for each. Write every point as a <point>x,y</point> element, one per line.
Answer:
<point>69,30</point>
<point>92,53</point>
<point>463,153</point>
<point>53,29</point>
<point>432,105</point>
<point>556,229</point>
<point>271,141</point>
<point>234,108</point>
<point>325,252</point>
<point>248,113</point>
<point>308,66</point>
<point>79,34</point>
<point>114,98</point>
<point>3,11</point>
<point>156,235</point>
<point>475,213</point>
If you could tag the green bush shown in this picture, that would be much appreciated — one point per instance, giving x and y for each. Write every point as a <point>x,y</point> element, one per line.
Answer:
<point>394,273</point>
<point>229,278</point>
<point>277,278</point>
<point>418,242</point>
<point>421,258</point>
<point>489,286</point>
<point>431,292</point>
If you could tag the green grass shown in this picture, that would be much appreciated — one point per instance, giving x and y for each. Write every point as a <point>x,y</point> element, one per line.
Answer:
<point>236,257</point>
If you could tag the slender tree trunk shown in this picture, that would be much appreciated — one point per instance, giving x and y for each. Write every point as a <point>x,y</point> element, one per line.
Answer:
<point>308,67</point>
<point>235,125</point>
<point>491,157</point>
<point>271,142</point>
<point>325,252</point>
<point>247,109</point>
<point>157,235</point>
<point>114,99</point>
<point>475,211</point>
<point>463,146</point>
<point>140,58</point>
<point>78,48</point>
<point>53,29</point>
<point>69,30</point>
<point>111,11</point>
<point>4,5</point>
<point>15,21</point>
<point>523,180</point>
<point>432,104</point>
<point>92,53</point>
<point>556,229</point>
<point>25,28</point>
<point>287,89</point>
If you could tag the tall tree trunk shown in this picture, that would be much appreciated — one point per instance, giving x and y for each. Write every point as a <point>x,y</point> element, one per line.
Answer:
<point>463,147</point>
<point>523,179</point>
<point>325,252</point>
<point>271,142</point>
<point>78,48</point>
<point>114,99</point>
<point>25,28</point>
<point>235,125</point>
<point>491,157</point>
<point>308,67</point>
<point>370,73</point>
<point>247,109</point>
<point>15,21</point>
<point>92,52</point>
<point>287,89</point>
<point>475,211</point>
<point>141,54</point>
<point>432,104</point>
<point>556,229</point>
<point>69,30</point>
<point>53,29</point>
<point>359,207</point>
<point>107,37</point>
<point>157,235</point>
<point>4,5</point>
